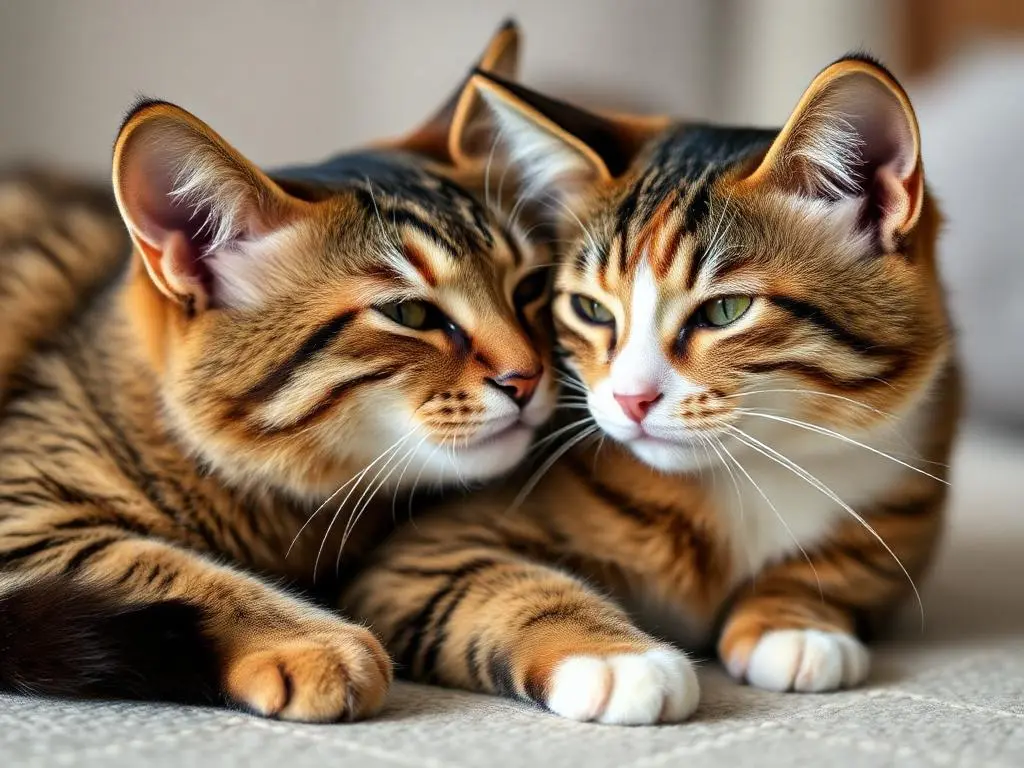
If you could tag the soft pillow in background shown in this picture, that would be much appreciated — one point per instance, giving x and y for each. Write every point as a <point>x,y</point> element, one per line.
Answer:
<point>972,123</point>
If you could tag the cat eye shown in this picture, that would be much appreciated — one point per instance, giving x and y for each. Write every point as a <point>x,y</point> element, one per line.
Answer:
<point>722,311</point>
<point>592,311</point>
<point>416,314</point>
<point>530,288</point>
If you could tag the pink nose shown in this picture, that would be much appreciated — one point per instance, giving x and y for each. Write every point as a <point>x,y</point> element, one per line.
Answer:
<point>637,406</point>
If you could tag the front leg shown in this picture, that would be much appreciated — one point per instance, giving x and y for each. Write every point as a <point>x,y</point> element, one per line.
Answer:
<point>275,654</point>
<point>476,607</point>
<point>795,627</point>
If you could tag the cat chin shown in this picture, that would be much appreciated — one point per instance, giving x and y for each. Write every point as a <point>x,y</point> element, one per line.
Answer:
<point>665,456</point>
<point>477,462</point>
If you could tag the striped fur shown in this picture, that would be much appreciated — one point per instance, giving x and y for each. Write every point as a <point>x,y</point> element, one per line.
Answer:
<point>192,452</point>
<point>60,240</point>
<point>784,481</point>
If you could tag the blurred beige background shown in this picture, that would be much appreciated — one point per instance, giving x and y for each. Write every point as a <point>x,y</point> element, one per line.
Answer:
<point>289,81</point>
<point>296,80</point>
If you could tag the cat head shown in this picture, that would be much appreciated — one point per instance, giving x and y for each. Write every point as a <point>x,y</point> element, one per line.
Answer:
<point>307,323</point>
<point>725,283</point>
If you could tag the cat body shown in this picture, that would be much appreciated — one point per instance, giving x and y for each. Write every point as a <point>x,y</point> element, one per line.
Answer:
<point>190,447</point>
<point>761,397</point>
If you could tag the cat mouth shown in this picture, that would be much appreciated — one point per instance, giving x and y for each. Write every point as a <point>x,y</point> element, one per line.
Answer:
<point>505,430</point>
<point>513,429</point>
<point>647,439</point>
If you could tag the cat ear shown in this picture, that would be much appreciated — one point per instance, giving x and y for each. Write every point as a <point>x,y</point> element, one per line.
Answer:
<point>853,136</point>
<point>561,150</point>
<point>456,135</point>
<point>195,208</point>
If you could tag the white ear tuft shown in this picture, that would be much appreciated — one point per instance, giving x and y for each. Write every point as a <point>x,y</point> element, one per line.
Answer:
<point>193,205</point>
<point>215,198</point>
<point>853,136</point>
<point>547,164</point>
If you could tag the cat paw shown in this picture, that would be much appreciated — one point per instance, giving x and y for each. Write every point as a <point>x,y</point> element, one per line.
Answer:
<point>343,676</point>
<point>805,660</point>
<point>656,686</point>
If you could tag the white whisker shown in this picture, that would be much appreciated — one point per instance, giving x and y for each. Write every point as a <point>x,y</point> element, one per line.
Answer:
<point>839,436</point>
<point>346,484</point>
<point>781,519</point>
<point>355,484</point>
<point>814,482</point>
<point>558,433</point>
<point>536,477</point>
<point>398,484</point>
<point>419,475</point>
<point>360,506</point>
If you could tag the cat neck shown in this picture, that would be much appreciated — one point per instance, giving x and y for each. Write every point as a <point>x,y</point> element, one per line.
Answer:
<point>619,470</point>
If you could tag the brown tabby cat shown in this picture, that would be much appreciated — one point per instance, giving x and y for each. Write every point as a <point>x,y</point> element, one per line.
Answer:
<point>60,239</point>
<point>752,316</point>
<point>276,340</point>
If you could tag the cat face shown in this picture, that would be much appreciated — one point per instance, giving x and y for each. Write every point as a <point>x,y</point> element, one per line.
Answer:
<point>729,287</point>
<point>368,312</point>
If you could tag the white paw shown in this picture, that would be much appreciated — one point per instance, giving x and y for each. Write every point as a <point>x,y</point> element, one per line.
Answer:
<point>628,689</point>
<point>806,660</point>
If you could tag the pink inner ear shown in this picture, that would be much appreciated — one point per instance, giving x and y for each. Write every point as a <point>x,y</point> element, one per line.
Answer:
<point>883,159</point>
<point>878,118</point>
<point>150,179</point>
<point>182,268</point>
<point>174,227</point>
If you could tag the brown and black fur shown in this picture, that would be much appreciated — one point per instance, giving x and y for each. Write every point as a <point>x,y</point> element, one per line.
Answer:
<point>61,240</point>
<point>173,421</point>
<point>494,593</point>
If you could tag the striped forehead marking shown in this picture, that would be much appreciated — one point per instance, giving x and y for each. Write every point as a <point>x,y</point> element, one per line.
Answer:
<point>675,189</point>
<point>402,191</point>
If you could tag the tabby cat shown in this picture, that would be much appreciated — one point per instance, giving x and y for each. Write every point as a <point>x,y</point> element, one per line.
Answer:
<point>274,340</point>
<point>755,319</point>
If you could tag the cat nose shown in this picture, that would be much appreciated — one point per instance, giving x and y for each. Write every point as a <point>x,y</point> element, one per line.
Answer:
<point>636,406</point>
<point>518,385</point>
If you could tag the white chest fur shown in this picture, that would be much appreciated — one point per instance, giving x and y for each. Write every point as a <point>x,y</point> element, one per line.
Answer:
<point>774,512</point>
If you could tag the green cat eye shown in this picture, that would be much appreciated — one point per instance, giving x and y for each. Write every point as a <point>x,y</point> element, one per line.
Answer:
<point>418,315</point>
<point>592,311</point>
<point>723,311</point>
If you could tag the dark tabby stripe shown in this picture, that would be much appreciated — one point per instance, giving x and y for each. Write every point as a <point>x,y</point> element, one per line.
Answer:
<point>88,551</point>
<point>624,505</point>
<point>828,377</point>
<point>39,248</point>
<point>696,542</point>
<point>513,244</point>
<point>697,262</point>
<point>404,217</point>
<point>337,393</point>
<point>811,313</point>
<point>420,263</point>
<point>17,555</point>
<point>316,342</point>
<point>699,205</point>
<point>924,505</point>
<point>417,627</point>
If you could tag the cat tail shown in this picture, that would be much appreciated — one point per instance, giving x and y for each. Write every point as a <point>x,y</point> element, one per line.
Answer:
<point>59,638</point>
<point>61,240</point>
